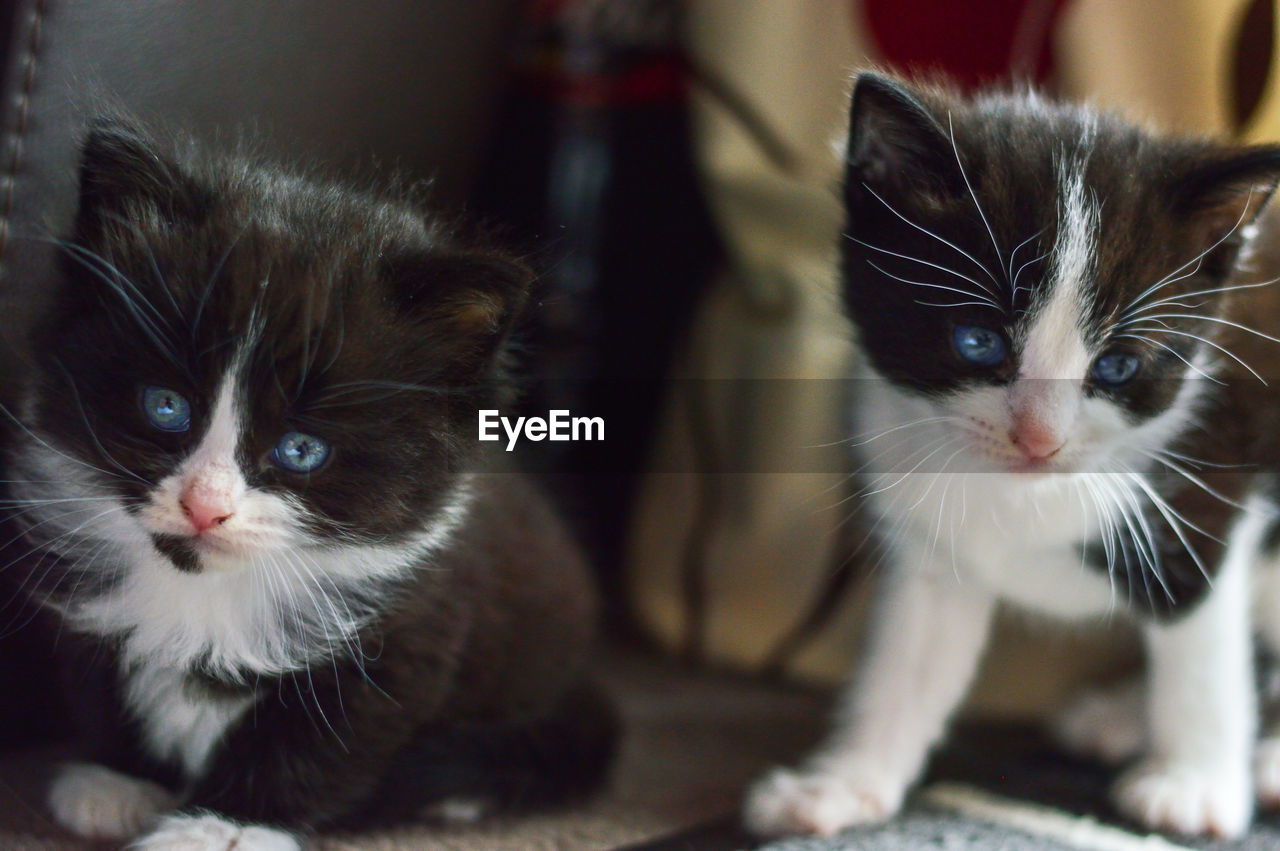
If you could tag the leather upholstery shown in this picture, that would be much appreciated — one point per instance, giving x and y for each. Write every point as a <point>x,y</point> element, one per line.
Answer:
<point>394,84</point>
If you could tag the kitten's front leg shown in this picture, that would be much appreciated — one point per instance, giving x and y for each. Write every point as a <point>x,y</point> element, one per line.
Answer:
<point>925,643</point>
<point>1202,712</point>
<point>94,802</point>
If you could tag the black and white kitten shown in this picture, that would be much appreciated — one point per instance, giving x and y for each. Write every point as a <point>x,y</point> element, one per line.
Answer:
<point>246,484</point>
<point>1066,323</point>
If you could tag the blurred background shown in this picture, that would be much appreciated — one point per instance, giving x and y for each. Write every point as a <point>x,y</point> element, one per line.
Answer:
<point>669,168</point>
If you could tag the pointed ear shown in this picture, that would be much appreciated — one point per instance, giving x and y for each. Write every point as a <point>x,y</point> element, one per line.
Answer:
<point>894,139</point>
<point>120,167</point>
<point>1228,188</point>
<point>468,300</point>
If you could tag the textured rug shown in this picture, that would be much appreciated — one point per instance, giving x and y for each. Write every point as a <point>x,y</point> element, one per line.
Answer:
<point>994,787</point>
<point>695,740</point>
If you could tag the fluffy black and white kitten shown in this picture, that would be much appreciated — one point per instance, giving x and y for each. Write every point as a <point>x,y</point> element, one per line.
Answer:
<point>246,478</point>
<point>1066,324</point>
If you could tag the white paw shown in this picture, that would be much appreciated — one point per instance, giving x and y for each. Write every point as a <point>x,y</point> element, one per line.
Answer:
<point>1105,725</point>
<point>1188,799</point>
<point>213,833</point>
<point>1266,772</point>
<point>97,803</point>
<point>820,802</point>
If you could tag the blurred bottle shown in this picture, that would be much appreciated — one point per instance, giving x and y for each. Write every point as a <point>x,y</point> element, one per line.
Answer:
<point>593,167</point>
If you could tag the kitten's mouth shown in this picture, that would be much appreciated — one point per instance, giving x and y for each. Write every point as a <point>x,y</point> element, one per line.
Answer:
<point>211,546</point>
<point>1005,461</point>
<point>185,551</point>
<point>1031,465</point>
<point>180,550</point>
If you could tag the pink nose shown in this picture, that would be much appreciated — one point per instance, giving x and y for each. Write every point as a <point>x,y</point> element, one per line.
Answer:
<point>203,510</point>
<point>1035,441</point>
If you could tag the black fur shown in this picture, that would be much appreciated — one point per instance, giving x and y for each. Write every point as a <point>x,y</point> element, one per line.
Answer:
<point>933,156</point>
<point>360,318</point>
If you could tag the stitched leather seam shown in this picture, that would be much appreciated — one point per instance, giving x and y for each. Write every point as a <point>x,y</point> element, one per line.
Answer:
<point>18,135</point>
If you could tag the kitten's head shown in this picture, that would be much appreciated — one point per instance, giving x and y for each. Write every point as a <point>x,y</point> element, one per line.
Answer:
<point>242,364</point>
<point>1042,278</point>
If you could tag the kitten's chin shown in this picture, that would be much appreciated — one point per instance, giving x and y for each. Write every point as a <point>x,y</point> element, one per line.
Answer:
<point>1031,471</point>
<point>1036,467</point>
<point>218,557</point>
<point>196,554</point>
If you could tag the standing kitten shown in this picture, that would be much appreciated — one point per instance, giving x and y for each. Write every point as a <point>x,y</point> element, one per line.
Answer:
<point>246,478</point>
<point>1065,321</point>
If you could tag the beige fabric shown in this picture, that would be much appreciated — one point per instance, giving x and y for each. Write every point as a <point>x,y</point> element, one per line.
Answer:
<point>773,314</point>
<point>763,542</point>
<point>1170,64</point>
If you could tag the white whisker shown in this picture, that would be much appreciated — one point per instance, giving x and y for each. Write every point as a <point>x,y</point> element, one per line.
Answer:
<point>930,233</point>
<point>1173,352</point>
<point>926,285</point>
<point>1159,316</point>
<point>994,243</point>
<point>937,266</point>
<point>1207,342</point>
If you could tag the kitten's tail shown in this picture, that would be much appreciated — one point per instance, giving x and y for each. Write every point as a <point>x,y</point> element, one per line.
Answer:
<point>553,759</point>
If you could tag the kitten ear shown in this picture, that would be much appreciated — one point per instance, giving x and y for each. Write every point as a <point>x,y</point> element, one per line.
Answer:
<point>121,166</point>
<point>469,300</point>
<point>894,139</point>
<point>1229,189</point>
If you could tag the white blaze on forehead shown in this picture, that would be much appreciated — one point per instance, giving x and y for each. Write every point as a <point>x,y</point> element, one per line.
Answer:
<point>1053,344</point>
<point>213,463</point>
<point>1054,359</point>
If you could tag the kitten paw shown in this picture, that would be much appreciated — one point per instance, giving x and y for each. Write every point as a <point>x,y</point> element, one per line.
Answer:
<point>94,802</point>
<point>1109,726</point>
<point>823,803</point>
<point>1186,799</point>
<point>1266,772</point>
<point>209,832</point>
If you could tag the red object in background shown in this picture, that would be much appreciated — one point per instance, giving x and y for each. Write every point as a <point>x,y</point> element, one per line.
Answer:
<point>972,41</point>
<point>603,53</point>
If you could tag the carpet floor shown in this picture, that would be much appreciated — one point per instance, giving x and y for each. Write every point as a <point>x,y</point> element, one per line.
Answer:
<point>694,740</point>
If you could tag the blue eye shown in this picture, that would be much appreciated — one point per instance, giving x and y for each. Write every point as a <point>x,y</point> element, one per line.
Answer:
<point>980,346</point>
<point>165,409</point>
<point>1115,368</point>
<point>300,453</point>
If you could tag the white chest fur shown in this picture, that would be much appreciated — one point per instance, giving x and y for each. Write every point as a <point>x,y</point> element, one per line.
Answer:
<point>1020,537</point>
<point>179,724</point>
<point>279,610</point>
<point>1023,543</point>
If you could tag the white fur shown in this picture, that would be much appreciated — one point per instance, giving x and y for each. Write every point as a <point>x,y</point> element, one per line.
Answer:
<point>242,617</point>
<point>924,649</point>
<point>268,599</point>
<point>1108,725</point>
<point>968,531</point>
<point>1053,357</point>
<point>1266,602</point>
<point>212,474</point>
<point>1053,344</point>
<point>213,833</point>
<point>178,725</point>
<point>97,803</point>
<point>1201,706</point>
